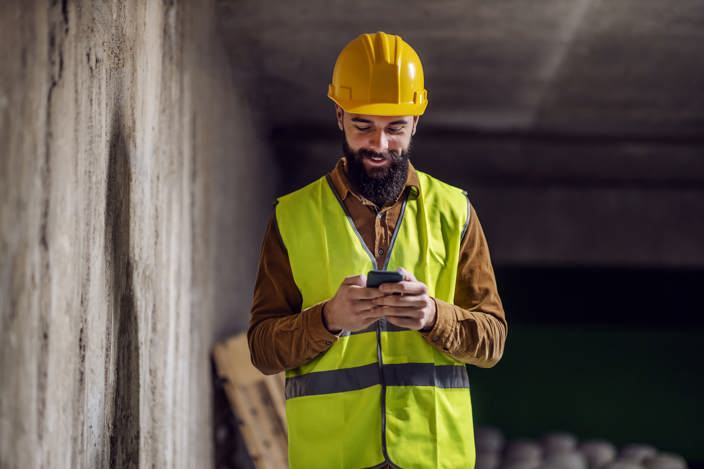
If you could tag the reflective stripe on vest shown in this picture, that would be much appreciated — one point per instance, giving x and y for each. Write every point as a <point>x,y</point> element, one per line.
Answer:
<point>401,374</point>
<point>384,394</point>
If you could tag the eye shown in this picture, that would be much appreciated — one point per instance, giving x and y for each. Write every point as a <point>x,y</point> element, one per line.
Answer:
<point>395,130</point>
<point>363,129</point>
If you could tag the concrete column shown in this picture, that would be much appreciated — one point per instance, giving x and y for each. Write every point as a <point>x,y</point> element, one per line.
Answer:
<point>132,188</point>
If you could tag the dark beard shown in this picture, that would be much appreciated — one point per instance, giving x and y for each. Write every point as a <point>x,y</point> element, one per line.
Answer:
<point>383,185</point>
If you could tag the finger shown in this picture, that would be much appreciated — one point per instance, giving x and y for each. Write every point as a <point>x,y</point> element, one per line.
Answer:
<point>405,288</point>
<point>396,311</point>
<point>411,301</point>
<point>372,314</point>
<point>366,322</point>
<point>363,293</point>
<point>361,306</point>
<point>358,280</point>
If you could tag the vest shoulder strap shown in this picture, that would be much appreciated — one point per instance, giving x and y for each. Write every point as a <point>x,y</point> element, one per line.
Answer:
<point>440,193</point>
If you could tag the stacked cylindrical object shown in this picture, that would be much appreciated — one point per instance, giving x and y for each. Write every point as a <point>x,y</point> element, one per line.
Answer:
<point>564,451</point>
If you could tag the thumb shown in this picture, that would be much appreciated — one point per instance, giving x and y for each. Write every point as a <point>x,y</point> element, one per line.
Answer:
<point>407,276</point>
<point>357,280</point>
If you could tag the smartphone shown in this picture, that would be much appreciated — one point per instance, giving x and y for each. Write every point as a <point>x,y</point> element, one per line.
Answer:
<point>377,277</point>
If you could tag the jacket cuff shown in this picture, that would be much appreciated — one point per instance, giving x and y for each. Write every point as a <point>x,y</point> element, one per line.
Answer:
<point>445,323</point>
<point>316,328</point>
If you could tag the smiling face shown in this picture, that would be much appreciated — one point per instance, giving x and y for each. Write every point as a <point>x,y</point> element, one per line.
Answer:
<point>376,149</point>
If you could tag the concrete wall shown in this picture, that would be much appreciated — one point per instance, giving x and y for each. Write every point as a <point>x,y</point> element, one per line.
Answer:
<point>131,193</point>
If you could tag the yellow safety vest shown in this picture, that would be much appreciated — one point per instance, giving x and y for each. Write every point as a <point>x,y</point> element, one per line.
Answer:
<point>383,395</point>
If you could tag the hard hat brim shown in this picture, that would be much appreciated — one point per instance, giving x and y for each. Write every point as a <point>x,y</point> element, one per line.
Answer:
<point>384,109</point>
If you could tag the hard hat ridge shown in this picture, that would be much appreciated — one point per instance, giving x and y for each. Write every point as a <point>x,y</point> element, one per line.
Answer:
<point>384,47</point>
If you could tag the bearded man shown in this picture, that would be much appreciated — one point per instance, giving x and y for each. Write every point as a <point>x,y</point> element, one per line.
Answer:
<point>376,376</point>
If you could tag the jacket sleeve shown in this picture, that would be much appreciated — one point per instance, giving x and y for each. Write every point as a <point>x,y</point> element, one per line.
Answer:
<point>280,335</point>
<point>473,330</point>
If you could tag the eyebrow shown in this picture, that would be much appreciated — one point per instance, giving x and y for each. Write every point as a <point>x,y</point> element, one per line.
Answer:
<point>367,121</point>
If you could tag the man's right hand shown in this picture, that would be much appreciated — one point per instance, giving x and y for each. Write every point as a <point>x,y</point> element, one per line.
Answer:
<point>352,308</point>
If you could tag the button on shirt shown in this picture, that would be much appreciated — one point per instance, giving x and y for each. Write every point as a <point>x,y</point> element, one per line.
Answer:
<point>281,336</point>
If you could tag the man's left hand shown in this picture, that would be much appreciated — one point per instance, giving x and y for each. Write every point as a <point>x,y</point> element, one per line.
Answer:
<point>407,303</point>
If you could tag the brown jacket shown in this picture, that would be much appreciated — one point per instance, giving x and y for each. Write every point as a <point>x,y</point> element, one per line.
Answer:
<point>281,336</point>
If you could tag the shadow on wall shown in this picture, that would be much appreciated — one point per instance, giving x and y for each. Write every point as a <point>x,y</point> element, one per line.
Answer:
<point>123,323</point>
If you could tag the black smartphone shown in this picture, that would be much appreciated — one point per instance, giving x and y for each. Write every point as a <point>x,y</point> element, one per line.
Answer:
<point>377,277</point>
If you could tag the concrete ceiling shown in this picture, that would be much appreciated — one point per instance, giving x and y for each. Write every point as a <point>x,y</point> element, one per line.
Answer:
<point>586,67</point>
<point>575,125</point>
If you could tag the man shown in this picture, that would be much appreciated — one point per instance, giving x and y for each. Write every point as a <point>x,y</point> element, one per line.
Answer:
<point>376,377</point>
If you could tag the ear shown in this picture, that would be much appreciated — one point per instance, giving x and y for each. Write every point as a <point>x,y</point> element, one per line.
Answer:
<point>339,113</point>
<point>415,124</point>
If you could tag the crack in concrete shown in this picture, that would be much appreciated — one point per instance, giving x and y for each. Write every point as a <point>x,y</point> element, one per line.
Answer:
<point>125,426</point>
<point>58,29</point>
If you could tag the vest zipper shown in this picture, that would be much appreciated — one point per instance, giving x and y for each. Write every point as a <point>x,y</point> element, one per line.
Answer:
<point>380,361</point>
<point>380,324</point>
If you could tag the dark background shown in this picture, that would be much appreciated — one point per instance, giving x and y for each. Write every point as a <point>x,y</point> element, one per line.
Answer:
<point>576,127</point>
<point>604,352</point>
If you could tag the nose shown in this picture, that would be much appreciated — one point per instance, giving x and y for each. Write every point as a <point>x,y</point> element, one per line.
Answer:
<point>379,141</point>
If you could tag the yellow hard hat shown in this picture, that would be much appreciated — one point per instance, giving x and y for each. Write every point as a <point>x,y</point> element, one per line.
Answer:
<point>381,75</point>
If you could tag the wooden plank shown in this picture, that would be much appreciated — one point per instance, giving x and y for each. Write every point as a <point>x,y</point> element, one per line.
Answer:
<point>275,388</point>
<point>257,401</point>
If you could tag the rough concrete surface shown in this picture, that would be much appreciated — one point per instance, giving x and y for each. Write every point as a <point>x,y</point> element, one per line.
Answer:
<point>127,164</point>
